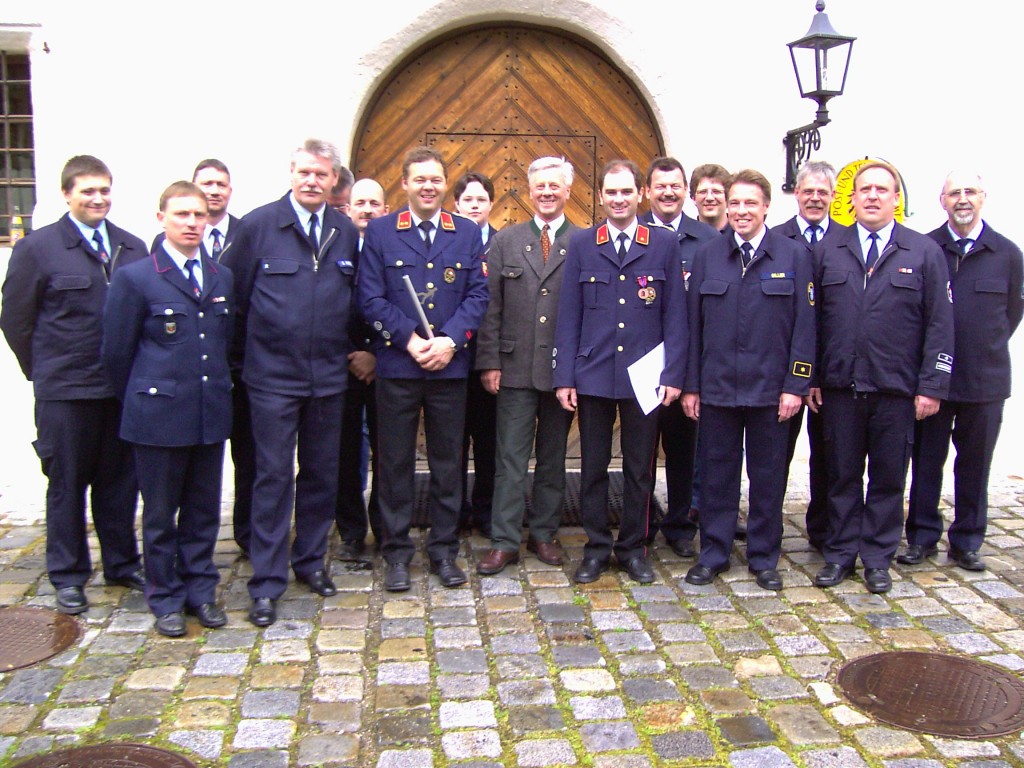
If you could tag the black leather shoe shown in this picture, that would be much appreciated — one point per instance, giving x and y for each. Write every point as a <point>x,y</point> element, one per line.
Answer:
<point>684,548</point>
<point>396,577</point>
<point>769,578</point>
<point>170,624</point>
<point>448,572</point>
<point>319,582</point>
<point>915,554</point>
<point>590,569</point>
<point>136,581</point>
<point>262,612</point>
<point>877,580</point>
<point>71,600</point>
<point>209,614</point>
<point>351,550</point>
<point>832,574</point>
<point>639,569</point>
<point>701,574</point>
<point>969,561</point>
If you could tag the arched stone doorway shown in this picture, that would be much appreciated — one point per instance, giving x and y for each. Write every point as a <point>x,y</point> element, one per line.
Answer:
<point>493,98</point>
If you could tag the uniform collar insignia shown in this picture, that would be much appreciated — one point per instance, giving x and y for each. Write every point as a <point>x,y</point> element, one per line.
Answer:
<point>404,220</point>
<point>447,222</point>
<point>643,235</point>
<point>602,234</point>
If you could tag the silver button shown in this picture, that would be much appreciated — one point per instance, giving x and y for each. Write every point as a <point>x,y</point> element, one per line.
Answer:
<point>201,315</point>
<point>202,335</point>
<point>622,277</point>
<point>622,325</point>
<point>622,301</point>
<point>618,349</point>
<point>206,357</point>
<point>152,390</point>
<point>399,263</point>
<point>430,285</point>
<point>543,319</point>
<point>168,311</point>
<point>207,378</point>
<point>544,291</point>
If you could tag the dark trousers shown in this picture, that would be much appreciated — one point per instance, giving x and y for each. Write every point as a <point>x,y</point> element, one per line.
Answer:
<point>351,513</point>
<point>78,445</point>
<point>877,427</point>
<point>481,418</point>
<point>817,506</point>
<point>638,433</point>
<point>280,423</point>
<point>443,402</point>
<point>528,417</point>
<point>974,428</point>
<point>181,490</point>
<point>678,436</point>
<point>724,432</point>
<point>243,456</point>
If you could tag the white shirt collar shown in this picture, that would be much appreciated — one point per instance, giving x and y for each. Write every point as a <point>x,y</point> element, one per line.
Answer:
<point>304,214</point>
<point>804,224</point>
<point>973,235</point>
<point>755,241</point>
<point>630,230</point>
<point>553,226</point>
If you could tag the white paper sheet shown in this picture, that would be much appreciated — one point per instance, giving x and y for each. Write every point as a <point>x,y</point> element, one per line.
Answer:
<point>645,376</point>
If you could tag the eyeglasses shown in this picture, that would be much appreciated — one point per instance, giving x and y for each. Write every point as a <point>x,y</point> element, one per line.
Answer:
<point>969,192</point>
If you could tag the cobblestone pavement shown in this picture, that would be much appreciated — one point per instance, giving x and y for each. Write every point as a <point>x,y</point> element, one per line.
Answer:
<point>521,669</point>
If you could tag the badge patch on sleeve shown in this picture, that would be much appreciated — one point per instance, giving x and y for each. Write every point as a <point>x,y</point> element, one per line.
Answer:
<point>802,369</point>
<point>944,363</point>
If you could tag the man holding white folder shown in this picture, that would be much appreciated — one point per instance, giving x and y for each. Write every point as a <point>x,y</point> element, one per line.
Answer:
<point>622,296</point>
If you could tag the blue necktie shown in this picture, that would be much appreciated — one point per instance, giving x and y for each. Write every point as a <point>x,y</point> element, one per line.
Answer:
<point>312,233</point>
<point>872,257</point>
<point>191,264</point>
<point>215,251</point>
<point>427,227</point>
<point>101,251</point>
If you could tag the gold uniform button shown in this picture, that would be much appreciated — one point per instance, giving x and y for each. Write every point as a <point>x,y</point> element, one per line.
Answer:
<point>622,325</point>
<point>206,357</point>
<point>430,265</point>
<point>430,306</point>
<point>431,326</point>
<point>152,390</point>
<point>201,315</point>
<point>543,319</point>
<point>618,349</point>
<point>399,263</point>
<point>168,311</point>
<point>622,277</point>
<point>622,301</point>
<point>591,280</point>
<point>430,285</point>
<point>202,335</point>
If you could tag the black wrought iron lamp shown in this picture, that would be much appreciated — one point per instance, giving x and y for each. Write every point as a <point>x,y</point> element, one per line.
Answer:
<point>821,61</point>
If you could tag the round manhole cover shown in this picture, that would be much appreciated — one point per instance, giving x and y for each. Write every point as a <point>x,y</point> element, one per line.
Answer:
<point>109,756</point>
<point>935,693</point>
<point>28,635</point>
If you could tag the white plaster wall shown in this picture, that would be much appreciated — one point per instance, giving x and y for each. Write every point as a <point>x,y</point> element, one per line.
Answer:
<point>151,89</point>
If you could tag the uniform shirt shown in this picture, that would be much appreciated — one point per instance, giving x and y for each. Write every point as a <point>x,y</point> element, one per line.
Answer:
<point>89,232</point>
<point>222,227</point>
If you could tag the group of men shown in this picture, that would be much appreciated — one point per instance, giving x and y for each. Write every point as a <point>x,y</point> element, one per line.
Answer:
<point>291,328</point>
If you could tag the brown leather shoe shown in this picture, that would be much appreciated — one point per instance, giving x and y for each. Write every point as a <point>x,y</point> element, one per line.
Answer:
<point>549,552</point>
<point>495,561</point>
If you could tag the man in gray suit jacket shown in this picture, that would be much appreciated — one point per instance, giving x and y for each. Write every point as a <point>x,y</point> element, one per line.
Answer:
<point>514,352</point>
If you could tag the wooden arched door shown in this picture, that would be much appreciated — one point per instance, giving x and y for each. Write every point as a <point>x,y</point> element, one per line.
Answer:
<point>492,99</point>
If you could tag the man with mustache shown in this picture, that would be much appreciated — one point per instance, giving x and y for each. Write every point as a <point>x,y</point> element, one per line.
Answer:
<point>294,262</point>
<point>666,192</point>
<point>988,302</point>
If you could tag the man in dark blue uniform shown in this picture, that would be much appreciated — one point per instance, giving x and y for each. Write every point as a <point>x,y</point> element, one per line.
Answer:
<point>885,340</point>
<point>422,367</point>
<point>354,516</point>
<point>751,354</point>
<point>622,296</point>
<point>294,262</point>
<point>166,334</point>
<point>52,314</point>
<point>988,302</point>
<point>666,192</point>
<point>815,188</point>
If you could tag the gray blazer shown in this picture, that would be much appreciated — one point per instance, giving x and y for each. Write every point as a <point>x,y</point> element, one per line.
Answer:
<point>518,332</point>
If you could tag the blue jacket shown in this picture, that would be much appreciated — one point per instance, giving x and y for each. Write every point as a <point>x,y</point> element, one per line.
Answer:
<point>751,331</point>
<point>890,332</point>
<point>166,352</point>
<point>52,310</point>
<point>451,284</point>
<point>691,234</point>
<point>605,324</point>
<point>294,307</point>
<point>988,302</point>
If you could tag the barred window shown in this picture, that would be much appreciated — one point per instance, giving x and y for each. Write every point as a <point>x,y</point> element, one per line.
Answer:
<point>17,156</point>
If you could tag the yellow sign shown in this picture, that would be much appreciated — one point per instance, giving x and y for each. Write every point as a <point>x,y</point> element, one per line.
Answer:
<point>842,203</point>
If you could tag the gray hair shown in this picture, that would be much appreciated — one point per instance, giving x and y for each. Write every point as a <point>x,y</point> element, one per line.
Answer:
<point>319,148</point>
<point>547,163</point>
<point>816,168</point>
